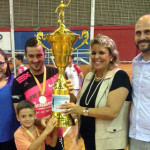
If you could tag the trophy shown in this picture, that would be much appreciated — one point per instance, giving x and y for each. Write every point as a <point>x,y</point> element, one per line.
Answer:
<point>61,41</point>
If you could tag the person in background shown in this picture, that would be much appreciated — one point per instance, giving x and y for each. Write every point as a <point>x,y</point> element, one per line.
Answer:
<point>75,74</point>
<point>104,101</point>
<point>35,85</point>
<point>140,114</point>
<point>28,136</point>
<point>8,121</point>
<point>19,64</point>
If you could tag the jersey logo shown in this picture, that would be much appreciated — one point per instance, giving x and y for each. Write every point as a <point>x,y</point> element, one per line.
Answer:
<point>23,77</point>
<point>50,85</point>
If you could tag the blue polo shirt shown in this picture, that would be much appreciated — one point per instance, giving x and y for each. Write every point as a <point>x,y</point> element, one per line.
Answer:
<point>8,121</point>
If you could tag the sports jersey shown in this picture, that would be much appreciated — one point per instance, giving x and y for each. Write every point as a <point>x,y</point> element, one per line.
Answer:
<point>21,69</point>
<point>73,74</point>
<point>25,88</point>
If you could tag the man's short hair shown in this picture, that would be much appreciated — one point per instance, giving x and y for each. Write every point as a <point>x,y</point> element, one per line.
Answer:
<point>24,104</point>
<point>72,56</point>
<point>31,42</point>
<point>19,57</point>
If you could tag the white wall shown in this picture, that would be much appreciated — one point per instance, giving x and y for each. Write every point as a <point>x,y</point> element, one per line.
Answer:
<point>5,41</point>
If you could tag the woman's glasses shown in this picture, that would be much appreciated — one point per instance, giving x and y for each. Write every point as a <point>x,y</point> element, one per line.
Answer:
<point>2,63</point>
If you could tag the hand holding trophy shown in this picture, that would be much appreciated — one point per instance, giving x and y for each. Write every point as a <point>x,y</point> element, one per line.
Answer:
<point>61,42</point>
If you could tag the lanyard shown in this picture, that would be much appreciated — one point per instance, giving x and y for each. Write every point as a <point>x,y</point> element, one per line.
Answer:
<point>42,90</point>
<point>31,135</point>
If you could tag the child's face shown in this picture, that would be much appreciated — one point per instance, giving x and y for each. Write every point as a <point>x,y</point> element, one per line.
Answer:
<point>26,117</point>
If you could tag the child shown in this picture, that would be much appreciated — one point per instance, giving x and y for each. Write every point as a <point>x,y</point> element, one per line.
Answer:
<point>27,136</point>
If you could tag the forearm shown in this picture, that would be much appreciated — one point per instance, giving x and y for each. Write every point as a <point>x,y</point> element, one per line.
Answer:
<point>103,113</point>
<point>37,143</point>
<point>54,137</point>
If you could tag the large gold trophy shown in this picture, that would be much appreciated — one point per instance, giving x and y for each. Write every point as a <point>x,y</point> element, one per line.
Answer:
<point>61,42</point>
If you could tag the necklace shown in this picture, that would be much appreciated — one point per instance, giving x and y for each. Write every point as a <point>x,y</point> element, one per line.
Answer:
<point>88,101</point>
<point>97,77</point>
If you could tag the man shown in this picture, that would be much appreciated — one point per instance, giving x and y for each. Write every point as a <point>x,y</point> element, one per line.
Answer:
<point>19,63</point>
<point>140,114</point>
<point>75,74</point>
<point>35,85</point>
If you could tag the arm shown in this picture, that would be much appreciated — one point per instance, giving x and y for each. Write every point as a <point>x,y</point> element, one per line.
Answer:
<point>118,93</point>
<point>81,76</point>
<point>52,139</point>
<point>56,9</point>
<point>49,127</point>
<point>15,107</point>
<point>109,112</point>
<point>68,3</point>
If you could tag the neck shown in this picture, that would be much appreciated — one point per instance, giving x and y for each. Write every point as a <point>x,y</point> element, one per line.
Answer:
<point>31,129</point>
<point>100,74</point>
<point>70,64</point>
<point>37,72</point>
<point>146,55</point>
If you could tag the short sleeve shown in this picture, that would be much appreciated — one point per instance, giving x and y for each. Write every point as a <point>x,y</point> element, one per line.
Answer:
<point>17,94</point>
<point>21,141</point>
<point>121,79</point>
<point>77,68</point>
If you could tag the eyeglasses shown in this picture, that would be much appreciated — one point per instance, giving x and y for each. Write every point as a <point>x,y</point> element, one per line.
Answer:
<point>2,63</point>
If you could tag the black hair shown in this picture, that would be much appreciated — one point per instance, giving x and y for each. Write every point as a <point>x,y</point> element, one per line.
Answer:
<point>24,104</point>
<point>19,57</point>
<point>72,56</point>
<point>8,72</point>
<point>31,42</point>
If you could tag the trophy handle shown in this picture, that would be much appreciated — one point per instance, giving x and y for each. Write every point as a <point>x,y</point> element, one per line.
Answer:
<point>40,37</point>
<point>85,34</point>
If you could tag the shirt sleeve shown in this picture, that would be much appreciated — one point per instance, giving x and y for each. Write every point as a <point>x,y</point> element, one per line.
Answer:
<point>121,79</point>
<point>21,141</point>
<point>17,92</point>
<point>77,68</point>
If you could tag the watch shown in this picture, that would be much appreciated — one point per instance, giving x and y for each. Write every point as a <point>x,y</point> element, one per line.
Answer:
<point>86,111</point>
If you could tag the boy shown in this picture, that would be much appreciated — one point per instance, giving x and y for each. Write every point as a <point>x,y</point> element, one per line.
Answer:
<point>27,136</point>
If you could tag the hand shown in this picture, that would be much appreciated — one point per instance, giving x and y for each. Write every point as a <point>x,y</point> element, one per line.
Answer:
<point>70,86</point>
<point>71,108</point>
<point>50,125</point>
<point>44,121</point>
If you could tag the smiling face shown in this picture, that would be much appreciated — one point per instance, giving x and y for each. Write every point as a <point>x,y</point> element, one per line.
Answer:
<point>26,117</point>
<point>35,56</point>
<point>142,34</point>
<point>100,58</point>
<point>3,67</point>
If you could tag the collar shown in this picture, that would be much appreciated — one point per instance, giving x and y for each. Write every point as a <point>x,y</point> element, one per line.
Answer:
<point>109,74</point>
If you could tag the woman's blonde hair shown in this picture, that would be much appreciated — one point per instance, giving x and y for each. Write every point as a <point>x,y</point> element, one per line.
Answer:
<point>108,43</point>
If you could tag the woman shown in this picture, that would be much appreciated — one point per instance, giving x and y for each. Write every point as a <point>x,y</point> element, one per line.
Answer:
<point>8,121</point>
<point>104,101</point>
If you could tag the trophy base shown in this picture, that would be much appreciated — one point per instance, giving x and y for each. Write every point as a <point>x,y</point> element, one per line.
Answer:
<point>63,120</point>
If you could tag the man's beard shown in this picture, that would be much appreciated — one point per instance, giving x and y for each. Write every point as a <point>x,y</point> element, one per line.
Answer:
<point>144,50</point>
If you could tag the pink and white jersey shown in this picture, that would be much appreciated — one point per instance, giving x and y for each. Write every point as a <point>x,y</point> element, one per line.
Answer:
<point>21,69</point>
<point>25,88</point>
<point>73,74</point>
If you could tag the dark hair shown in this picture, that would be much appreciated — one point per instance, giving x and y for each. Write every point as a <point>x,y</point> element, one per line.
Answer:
<point>19,57</point>
<point>24,104</point>
<point>72,56</point>
<point>32,42</point>
<point>8,72</point>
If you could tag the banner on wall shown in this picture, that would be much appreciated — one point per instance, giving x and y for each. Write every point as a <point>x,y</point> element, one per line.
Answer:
<point>5,43</point>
